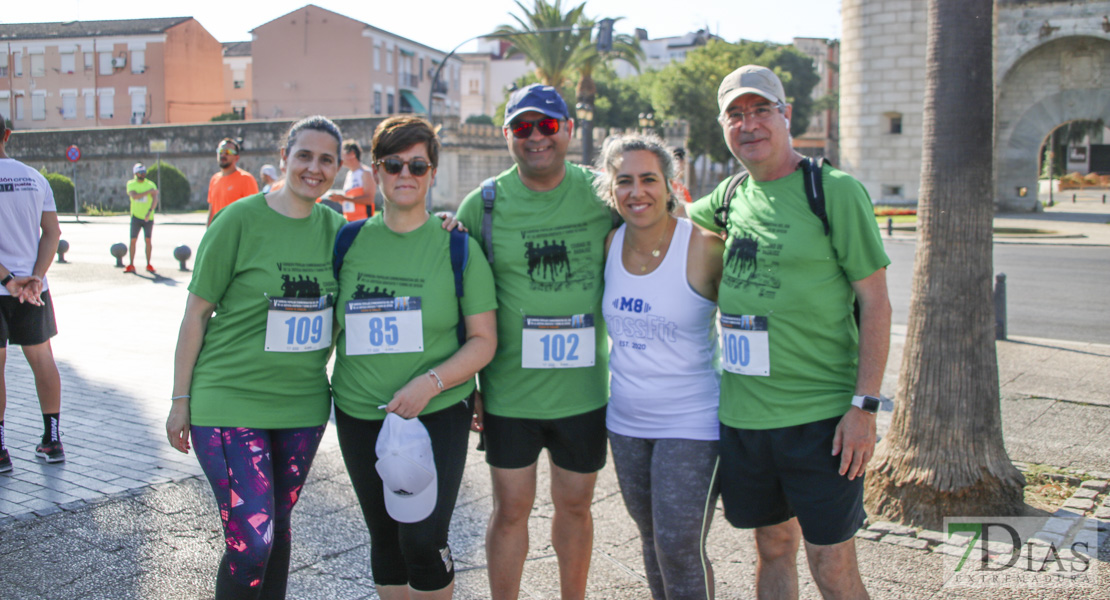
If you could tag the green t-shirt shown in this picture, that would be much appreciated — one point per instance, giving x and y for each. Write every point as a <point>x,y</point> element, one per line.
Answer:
<point>250,254</point>
<point>383,264</point>
<point>779,264</point>
<point>140,207</point>
<point>548,261</point>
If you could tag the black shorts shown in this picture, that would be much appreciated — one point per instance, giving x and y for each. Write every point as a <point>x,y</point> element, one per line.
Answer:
<point>137,224</point>
<point>769,476</point>
<point>576,443</point>
<point>26,324</point>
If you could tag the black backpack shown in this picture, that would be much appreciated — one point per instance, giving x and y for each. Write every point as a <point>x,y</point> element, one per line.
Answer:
<point>460,253</point>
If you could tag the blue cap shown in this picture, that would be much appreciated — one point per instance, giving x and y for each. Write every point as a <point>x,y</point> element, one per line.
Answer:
<point>537,97</point>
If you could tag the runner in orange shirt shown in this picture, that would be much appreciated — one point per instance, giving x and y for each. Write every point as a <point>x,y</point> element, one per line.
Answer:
<point>230,183</point>
<point>357,198</point>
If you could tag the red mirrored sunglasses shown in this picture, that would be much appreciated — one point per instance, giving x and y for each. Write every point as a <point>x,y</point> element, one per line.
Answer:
<point>523,129</point>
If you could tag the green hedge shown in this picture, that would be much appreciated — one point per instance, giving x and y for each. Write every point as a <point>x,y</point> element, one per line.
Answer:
<point>174,190</point>
<point>62,187</point>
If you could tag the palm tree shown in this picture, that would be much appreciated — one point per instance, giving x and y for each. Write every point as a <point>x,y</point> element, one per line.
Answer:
<point>625,47</point>
<point>550,38</point>
<point>944,454</point>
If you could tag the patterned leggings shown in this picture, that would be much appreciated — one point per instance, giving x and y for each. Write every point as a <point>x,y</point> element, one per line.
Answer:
<point>257,475</point>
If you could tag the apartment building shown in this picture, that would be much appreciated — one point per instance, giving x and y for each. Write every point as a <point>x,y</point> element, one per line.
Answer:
<point>109,73</point>
<point>237,78</point>
<point>487,76</point>
<point>315,61</point>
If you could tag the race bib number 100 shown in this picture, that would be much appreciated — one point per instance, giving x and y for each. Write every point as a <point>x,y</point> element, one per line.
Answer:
<point>744,348</point>
<point>558,342</point>
<point>298,324</point>
<point>384,326</point>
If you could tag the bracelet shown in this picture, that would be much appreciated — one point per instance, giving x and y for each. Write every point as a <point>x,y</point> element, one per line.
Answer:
<point>439,382</point>
<point>180,397</point>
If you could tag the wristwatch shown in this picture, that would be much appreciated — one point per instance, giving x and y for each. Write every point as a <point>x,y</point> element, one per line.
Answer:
<point>5,280</point>
<point>866,403</point>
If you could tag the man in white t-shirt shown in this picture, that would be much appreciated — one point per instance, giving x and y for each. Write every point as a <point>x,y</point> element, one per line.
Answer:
<point>29,235</point>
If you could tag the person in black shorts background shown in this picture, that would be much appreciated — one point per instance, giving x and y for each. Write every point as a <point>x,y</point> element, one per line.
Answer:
<point>29,235</point>
<point>144,199</point>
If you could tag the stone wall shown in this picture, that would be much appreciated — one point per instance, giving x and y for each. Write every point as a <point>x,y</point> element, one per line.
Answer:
<point>470,154</point>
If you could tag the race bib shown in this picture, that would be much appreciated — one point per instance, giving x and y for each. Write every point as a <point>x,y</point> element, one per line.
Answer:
<point>744,347</point>
<point>348,206</point>
<point>557,342</point>
<point>298,324</point>
<point>384,326</point>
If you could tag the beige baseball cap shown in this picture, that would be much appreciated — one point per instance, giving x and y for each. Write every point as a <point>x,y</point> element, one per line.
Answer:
<point>750,79</point>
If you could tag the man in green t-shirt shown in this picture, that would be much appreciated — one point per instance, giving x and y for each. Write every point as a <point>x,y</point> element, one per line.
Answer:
<point>547,385</point>
<point>801,380</point>
<point>144,199</point>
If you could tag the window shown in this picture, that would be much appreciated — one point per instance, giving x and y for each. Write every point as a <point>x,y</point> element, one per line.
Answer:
<point>892,191</point>
<point>17,64</point>
<point>69,104</point>
<point>421,68</point>
<point>69,63</point>
<point>90,103</point>
<point>107,102</point>
<point>38,105</point>
<point>240,112</point>
<point>138,104</point>
<point>138,61</point>
<point>105,63</point>
<point>474,87</point>
<point>89,59</point>
<point>377,103</point>
<point>894,122</point>
<point>389,103</point>
<point>389,62</point>
<point>377,58</point>
<point>5,105</point>
<point>4,68</point>
<point>38,65</point>
<point>238,84</point>
<point>19,106</point>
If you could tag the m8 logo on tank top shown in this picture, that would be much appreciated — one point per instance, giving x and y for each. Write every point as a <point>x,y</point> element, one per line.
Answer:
<point>747,263</point>
<point>559,258</point>
<point>638,324</point>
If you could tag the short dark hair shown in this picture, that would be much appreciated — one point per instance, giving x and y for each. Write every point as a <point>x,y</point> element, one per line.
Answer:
<point>679,153</point>
<point>315,123</point>
<point>352,146</point>
<point>230,142</point>
<point>396,134</point>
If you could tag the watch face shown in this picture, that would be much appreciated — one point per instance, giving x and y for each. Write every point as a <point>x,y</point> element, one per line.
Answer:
<point>871,404</point>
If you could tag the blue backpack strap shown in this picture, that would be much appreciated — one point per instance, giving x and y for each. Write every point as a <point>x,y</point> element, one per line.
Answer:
<point>460,254</point>
<point>343,241</point>
<point>489,194</point>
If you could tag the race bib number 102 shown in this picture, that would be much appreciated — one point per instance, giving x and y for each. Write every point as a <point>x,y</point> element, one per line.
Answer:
<point>744,346</point>
<point>298,324</point>
<point>558,342</point>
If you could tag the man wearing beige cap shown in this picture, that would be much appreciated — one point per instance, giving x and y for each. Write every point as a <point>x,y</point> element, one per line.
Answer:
<point>802,374</point>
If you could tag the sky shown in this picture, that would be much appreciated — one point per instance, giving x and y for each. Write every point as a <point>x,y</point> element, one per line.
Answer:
<point>443,24</point>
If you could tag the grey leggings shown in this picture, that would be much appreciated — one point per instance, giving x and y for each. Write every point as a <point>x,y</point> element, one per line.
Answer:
<point>670,489</point>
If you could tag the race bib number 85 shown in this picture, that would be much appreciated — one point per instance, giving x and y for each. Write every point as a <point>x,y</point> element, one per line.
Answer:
<point>384,326</point>
<point>298,324</point>
<point>744,347</point>
<point>558,342</point>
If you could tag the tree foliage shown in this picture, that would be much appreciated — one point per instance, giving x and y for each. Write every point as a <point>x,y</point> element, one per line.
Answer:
<point>62,187</point>
<point>228,116</point>
<point>556,54</point>
<point>688,90</point>
<point>174,189</point>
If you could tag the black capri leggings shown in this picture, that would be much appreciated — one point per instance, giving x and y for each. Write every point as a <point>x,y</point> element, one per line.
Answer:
<point>415,554</point>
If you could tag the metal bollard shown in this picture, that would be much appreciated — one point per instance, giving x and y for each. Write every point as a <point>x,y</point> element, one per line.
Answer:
<point>890,226</point>
<point>1073,198</point>
<point>1000,306</point>
<point>119,250</point>
<point>1104,198</point>
<point>182,254</point>
<point>63,247</point>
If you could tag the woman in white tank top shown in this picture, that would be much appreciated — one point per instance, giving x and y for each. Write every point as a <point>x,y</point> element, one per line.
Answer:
<point>661,279</point>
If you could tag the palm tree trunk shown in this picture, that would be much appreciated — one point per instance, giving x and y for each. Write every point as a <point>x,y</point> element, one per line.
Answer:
<point>944,454</point>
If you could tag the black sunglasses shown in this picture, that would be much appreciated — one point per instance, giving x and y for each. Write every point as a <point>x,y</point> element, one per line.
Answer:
<point>393,165</point>
<point>523,129</point>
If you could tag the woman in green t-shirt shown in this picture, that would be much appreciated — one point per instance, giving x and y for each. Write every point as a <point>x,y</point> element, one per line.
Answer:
<point>399,352</point>
<point>249,380</point>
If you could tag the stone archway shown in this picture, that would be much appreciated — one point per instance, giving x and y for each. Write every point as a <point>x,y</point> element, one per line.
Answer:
<point>1063,80</point>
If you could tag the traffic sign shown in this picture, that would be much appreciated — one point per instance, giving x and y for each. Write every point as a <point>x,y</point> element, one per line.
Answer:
<point>157,146</point>
<point>73,154</point>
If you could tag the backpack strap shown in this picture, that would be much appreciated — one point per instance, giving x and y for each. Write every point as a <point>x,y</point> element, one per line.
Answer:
<point>489,194</point>
<point>815,191</point>
<point>460,254</point>
<point>343,241</point>
<point>720,216</point>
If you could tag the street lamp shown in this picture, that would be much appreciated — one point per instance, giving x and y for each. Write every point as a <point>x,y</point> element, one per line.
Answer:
<point>584,112</point>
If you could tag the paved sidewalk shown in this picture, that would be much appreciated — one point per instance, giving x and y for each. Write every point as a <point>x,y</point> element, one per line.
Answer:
<point>128,517</point>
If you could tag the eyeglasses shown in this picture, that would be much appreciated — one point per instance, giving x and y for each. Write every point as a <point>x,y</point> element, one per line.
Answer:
<point>758,114</point>
<point>522,130</point>
<point>393,165</point>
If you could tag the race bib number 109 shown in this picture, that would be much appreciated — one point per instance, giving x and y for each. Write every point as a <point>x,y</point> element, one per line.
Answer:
<point>744,347</point>
<point>558,342</point>
<point>298,324</point>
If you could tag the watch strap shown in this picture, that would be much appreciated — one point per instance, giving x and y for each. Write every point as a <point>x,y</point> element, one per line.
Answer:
<point>866,403</point>
<point>10,276</point>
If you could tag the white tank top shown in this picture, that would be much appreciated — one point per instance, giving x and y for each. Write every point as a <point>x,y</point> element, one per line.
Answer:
<point>663,380</point>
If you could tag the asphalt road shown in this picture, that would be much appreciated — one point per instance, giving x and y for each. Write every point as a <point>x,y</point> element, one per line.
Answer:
<point>1056,292</point>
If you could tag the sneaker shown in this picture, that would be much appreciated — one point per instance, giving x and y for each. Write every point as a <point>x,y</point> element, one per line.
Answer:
<point>150,268</point>
<point>52,452</point>
<point>129,269</point>
<point>5,461</point>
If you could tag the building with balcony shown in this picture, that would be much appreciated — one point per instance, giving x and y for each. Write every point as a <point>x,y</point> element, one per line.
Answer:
<point>487,76</point>
<point>237,77</point>
<point>315,61</point>
<point>109,73</point>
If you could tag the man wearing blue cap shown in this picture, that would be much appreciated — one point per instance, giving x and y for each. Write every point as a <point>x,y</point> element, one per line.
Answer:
<point>543,229</point>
